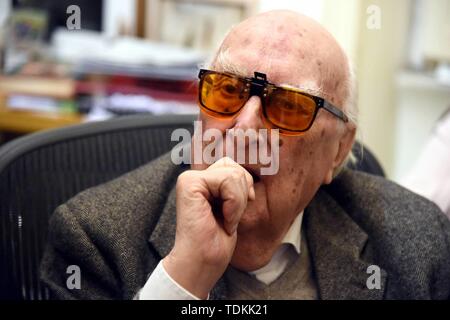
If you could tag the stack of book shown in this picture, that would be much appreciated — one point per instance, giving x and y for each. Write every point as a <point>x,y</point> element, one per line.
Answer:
<point>128,75</point>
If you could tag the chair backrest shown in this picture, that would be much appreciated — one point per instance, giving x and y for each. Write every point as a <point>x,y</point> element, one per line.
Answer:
<point>40,171</point>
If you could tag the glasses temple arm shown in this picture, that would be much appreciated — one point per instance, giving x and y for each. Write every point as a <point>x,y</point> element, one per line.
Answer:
<point>334,110</point>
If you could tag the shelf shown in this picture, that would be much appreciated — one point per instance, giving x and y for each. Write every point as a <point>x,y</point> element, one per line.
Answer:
<point>28,122</point>
<point>420,81</point>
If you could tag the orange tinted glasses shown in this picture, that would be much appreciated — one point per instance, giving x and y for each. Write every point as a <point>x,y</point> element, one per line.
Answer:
<point>223,95</point>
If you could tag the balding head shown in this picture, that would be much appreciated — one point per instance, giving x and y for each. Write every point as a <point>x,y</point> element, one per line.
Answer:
<point>292,49</point>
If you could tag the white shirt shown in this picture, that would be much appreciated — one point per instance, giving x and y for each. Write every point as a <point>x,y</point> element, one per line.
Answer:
<point>430,176</point>
<point>160,286</point>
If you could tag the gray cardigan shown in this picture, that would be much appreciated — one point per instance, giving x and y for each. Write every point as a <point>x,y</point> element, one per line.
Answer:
<point>118,232</point>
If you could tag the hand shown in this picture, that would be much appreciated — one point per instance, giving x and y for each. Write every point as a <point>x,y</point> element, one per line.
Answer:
<point>210,204</point>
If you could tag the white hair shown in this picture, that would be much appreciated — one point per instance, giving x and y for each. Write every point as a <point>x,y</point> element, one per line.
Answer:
<point>350,106</point>
<point>351,110</point>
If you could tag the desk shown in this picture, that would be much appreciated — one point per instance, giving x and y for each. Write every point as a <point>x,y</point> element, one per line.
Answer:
<point>23,122</point>
<point>28,122</point>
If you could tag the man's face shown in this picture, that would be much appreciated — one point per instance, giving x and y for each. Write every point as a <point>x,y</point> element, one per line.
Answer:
<point>301,57</point>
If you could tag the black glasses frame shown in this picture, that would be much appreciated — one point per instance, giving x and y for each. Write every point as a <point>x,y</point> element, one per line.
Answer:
<point>258,86</point>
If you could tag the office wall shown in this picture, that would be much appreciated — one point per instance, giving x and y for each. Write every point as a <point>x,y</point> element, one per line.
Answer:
<point>313,9</point>
<point>436,29</point>
<point>119,17</point>
<point>380,54</point>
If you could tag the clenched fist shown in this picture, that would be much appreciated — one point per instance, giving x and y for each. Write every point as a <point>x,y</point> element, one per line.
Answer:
<point>210,204</point>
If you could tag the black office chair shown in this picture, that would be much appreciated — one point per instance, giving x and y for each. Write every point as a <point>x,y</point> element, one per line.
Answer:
<point>40,171</point>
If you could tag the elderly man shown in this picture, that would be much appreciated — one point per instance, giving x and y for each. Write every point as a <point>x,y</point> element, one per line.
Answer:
<point>311,231</point>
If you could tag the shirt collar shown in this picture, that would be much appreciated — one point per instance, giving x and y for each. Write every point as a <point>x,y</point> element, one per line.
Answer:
<point>282,256</point>
<point>293,236</point>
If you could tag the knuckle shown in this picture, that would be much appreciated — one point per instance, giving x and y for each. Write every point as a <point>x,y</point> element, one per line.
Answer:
<point>232,198</point>
<point>227,161</point>
<point>185,177</point>
<point>237,174</point>
<point>182,177</point>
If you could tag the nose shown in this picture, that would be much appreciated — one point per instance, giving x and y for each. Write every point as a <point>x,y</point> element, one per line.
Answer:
<point>250,116</point>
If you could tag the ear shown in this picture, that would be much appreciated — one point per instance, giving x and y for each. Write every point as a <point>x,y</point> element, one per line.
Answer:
<point>345,144</point>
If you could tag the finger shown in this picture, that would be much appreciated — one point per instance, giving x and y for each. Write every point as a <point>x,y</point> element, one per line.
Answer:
<point>227,184</point>
<point>240,176</point>
<point>228,162</point>
<point>233,216</point>
<point>223,162</point>
<point>249,185</point>
<point>234,192</point>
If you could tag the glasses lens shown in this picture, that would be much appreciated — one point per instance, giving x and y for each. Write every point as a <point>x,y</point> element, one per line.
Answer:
<point>222,93</point>
<point>290,110</point>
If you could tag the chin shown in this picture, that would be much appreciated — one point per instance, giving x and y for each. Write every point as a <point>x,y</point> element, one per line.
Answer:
<point>252,220</point>
<point>245,260</point>
<point>256,217</point>
<point>253,242</point>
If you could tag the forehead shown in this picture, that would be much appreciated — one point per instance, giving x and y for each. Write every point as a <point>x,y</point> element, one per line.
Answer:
<point>288,52</point>
<point>281,71</point>
<point>282,53</point>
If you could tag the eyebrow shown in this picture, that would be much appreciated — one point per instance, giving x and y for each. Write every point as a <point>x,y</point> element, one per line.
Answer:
<point>235,70</point>
<point>306,89</point>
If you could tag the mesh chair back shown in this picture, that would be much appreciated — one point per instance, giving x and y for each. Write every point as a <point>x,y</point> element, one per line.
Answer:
<point>41,171</point>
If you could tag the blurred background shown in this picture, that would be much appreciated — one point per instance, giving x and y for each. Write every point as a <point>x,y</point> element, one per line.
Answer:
<point>64,62</point>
